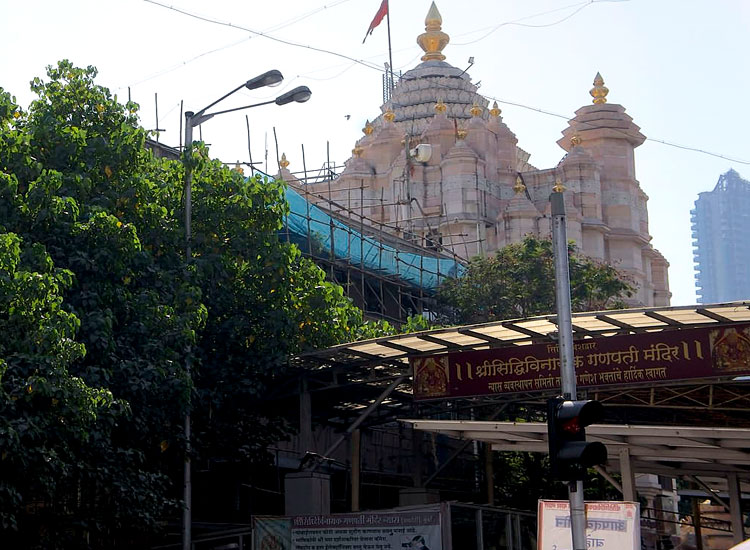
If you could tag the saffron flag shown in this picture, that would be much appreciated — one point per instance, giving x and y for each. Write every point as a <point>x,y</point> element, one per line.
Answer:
<point>382,12</point>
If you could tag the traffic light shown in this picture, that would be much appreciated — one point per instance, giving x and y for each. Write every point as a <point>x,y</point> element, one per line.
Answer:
<point>569,452</point>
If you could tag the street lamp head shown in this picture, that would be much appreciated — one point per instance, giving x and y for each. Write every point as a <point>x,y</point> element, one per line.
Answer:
<point>298,95</point>
<point>270,78</point>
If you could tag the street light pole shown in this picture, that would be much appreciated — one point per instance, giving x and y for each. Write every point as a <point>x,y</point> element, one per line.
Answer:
<point>297,95</point>
<point>187,483</point>
<point>565,344</point>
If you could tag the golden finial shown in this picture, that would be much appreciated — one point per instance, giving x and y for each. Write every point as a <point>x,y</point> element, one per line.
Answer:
<point>238,168</point>
<point>519,187</point>
<point>495,111</point>
<point>357,151</point>
<point>440,107</point>
<point>433,40</point>
<point>389,115</point>
<point>559,187</point>
<point>283,162</point>
<point>367,130</point>
<point>575,141</point>
<point>599,91</point>
<point>476,110</point>
<point>461,133</point>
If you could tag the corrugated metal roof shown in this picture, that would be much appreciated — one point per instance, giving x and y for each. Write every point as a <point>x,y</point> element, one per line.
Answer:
<point>392,353</point>
<point>668,450</point>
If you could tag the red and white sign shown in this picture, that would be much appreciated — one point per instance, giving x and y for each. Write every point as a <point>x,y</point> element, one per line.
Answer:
<point>610,525</point>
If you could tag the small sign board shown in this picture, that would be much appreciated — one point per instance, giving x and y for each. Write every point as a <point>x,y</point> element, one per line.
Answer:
<point>610,525</point>
<point>407,530</point>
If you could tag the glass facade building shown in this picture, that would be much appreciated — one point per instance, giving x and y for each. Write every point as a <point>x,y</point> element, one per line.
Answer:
<point>721,241</point>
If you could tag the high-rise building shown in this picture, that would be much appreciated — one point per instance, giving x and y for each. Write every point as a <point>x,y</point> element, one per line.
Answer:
<point>721,224</point>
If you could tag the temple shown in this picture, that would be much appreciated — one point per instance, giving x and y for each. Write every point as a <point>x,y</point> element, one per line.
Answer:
<point>439,167</point>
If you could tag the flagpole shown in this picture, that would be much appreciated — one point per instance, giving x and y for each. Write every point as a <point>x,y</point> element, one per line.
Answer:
<point>390,52</point>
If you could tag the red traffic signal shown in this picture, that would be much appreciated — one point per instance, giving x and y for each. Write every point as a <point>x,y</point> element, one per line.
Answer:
<point>569,452</point>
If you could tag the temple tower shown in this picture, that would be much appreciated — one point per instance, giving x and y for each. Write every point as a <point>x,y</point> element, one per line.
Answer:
<point>609,136</point>
<point>439,167</point>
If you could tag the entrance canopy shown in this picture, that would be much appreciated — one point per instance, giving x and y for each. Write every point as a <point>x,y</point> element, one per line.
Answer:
<point>394,351</point>
<point>668,450</point>
<point>371,366</point>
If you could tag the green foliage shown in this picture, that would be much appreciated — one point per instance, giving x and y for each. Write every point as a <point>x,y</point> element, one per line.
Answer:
<point>46,414</point>
<point>106,315</point>
<point>382,328</point>
<point>519,281</point>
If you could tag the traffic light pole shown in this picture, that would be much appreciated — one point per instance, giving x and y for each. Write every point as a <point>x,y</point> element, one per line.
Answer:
<point>565,343</point>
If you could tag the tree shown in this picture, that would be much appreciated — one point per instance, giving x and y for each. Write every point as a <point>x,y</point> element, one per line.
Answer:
<point>46,414</point>
<point>78,187</point>
<point>519,281</point>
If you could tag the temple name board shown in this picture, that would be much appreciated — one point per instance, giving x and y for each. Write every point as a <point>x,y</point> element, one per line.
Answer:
<point>645,358</point>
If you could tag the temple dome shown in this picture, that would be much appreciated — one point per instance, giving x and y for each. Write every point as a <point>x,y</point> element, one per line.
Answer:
<point>419,89</point>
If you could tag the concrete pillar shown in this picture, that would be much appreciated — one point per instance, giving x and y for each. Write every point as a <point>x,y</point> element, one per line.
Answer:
<point>735,508</point>
<point>307,493</point>
<point>628,479</point>
<point>417,496</point>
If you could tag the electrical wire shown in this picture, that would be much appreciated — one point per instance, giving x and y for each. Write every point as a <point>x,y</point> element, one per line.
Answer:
<point>517,22</point>
<point>369,65</point>
<point>176,66</point>
<point>264,35</point>
<point>656,140</point>
<point>299,18</point>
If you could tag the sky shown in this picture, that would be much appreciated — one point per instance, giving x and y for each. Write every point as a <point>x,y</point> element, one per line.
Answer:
<point>679,67</point>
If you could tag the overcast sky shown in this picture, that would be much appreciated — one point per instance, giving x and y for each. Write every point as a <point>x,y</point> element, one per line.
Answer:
<point>678,66</point>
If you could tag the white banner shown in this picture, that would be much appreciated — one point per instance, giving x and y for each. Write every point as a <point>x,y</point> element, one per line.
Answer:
<point>610,525</point>
<point>417,530</point>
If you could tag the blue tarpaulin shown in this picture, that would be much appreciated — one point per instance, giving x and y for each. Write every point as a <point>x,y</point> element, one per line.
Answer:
<point>419,270</point>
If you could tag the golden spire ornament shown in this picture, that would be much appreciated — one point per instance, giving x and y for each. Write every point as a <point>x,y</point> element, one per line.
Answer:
<point>519,187</point>
<point>238,168</point>
<point>495,111</point>
<point>283,162</point>
<point>357,151</point>
<point>599,91</point>
<point>389,115</point>
<point>440,107</point>
<point>368,129</point>
<point>476,110</point>
<point>559,187</point>
<point>461,133</point>
<point>575,141</point>
<point>433,40</point>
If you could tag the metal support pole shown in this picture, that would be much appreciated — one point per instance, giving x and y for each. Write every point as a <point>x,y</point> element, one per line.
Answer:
<point>628,479</point>
<point>187,484</point>
<point>305,418</point>
<point>565,341</point>
<point>612,481</point>
<point>735,505</point>
<point>697,523</point>
<point>361,418</point>
<point>489,473</point>
<point>356,461</point>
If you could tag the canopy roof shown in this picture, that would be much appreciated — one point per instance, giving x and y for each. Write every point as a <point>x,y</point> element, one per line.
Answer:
<point>666,450</point>
<point>393,352</point>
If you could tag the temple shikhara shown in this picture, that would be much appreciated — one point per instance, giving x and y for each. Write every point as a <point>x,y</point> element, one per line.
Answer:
<point>440,168</point>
